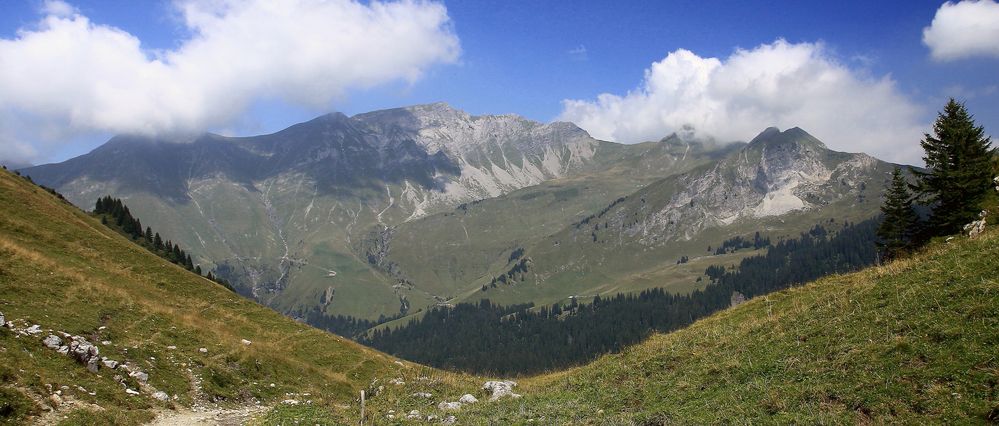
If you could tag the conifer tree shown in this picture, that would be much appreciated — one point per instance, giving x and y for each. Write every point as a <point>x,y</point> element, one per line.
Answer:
<point>958,159</point>
<point>897,231</point>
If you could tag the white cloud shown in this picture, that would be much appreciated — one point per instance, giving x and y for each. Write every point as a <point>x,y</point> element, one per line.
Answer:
<point>779,84</point>
<point>74,75</point>
<point>578,53</point>
<point>963,30</point>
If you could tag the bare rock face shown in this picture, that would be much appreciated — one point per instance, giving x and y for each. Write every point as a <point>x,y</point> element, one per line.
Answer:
<point>500,389</point>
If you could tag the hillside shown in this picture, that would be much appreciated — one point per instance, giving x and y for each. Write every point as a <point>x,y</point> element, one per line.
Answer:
<point>909,342</point>
<point>62,270</point>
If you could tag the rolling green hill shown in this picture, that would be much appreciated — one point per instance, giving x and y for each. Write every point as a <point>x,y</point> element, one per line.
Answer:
<point>64,271</point>
<point>909,342</point>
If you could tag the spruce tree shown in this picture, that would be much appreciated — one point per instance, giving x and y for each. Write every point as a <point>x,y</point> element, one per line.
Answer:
<point>897,231</point>
<point>959,170</point>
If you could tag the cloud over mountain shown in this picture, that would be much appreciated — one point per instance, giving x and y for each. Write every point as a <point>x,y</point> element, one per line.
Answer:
<point>963,30</point>
<point>778,84</point>
<point>68,74</point>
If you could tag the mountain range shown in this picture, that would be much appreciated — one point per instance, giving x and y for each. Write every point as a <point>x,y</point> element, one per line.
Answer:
<point>389,212</point>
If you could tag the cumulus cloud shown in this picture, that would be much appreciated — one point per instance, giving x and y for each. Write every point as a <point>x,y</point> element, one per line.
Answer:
<point>67,74</point>
<point>779,84</point>
<point>963,30</point>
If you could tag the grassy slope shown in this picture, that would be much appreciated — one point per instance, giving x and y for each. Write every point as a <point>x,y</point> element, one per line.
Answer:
<point>910,342</point>
<point>63,270</point>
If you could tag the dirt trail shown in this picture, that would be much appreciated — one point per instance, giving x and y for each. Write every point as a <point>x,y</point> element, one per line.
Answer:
<point>220,417</point>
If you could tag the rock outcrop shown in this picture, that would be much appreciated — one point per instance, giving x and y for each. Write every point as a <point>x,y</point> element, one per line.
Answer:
<point>500,389</point>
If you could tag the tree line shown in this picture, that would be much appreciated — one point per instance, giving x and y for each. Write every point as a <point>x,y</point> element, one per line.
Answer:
<point>956,186</point>
<point>116,215</point>
<point>487,338</point>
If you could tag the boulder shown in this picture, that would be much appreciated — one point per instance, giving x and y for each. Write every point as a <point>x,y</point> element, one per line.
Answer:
<point>468,399</point>
<point>52,342</point>
<point>161,396</point>
<point>112,364</point>
<point>63,350</point>
<point>449,406</point>
<point>500,389</point>
<point>85,353</point>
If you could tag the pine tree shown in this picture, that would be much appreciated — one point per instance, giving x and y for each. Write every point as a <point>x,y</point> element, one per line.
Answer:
<point>959,170</point>
<point>897,231</point>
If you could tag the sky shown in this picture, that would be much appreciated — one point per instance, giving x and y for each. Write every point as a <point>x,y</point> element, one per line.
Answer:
<point>859,75</point>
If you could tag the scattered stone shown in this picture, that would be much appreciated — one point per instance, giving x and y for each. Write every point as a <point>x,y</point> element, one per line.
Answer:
<point>3,321</point>
<point>203,350</point>
<point>449,420</point>
<point>85,353</point>
<point>290,402</point>
<point>427,395</point>
<point>161,396</point>
<point>414,415</point>
<point>500,389</point>
<point>431,417</point>
<point>106,342</point>
<point>131,391</point>
<point>138,375</point>
<point>449,406</point>
<point>397,381</point>
<point>63,350</point>
<point>112,364</point>
<point>975,228</point>
<point>171,347</point>
<point>245,342</point>
<point>52,342</point>
<point>34,329</point>
<point>55,399</point>
<point>468,399</point>
<point>390,416</point>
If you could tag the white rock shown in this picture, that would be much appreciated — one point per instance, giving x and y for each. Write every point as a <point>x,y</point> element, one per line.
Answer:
<point>34,329</point>
<point>3,321</point>
<point>112,364</point>
<point>245,342</point>
<point>449,420</point>
<point>140,376</point>
<point>468,399</point>
<point>171,347</point>
<point>64,350</point>
<point>131,391</point>
<point>203,350</point>
<point>500,389</point>
<point>427,395</point>
<point>397,381</point>
<point>52,342</point>
<point>160,395</point>
<point>449,406</point>
<point>55,399</point>
<point>415,414</point>
<point>290,402</point>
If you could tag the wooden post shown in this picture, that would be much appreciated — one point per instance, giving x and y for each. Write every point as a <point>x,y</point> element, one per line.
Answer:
<point>362,408</point>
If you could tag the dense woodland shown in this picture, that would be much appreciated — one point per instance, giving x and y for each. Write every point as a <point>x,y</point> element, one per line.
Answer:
<point>511,340</point>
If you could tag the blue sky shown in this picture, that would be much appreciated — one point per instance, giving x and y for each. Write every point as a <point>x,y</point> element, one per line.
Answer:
<point>527,57</point>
